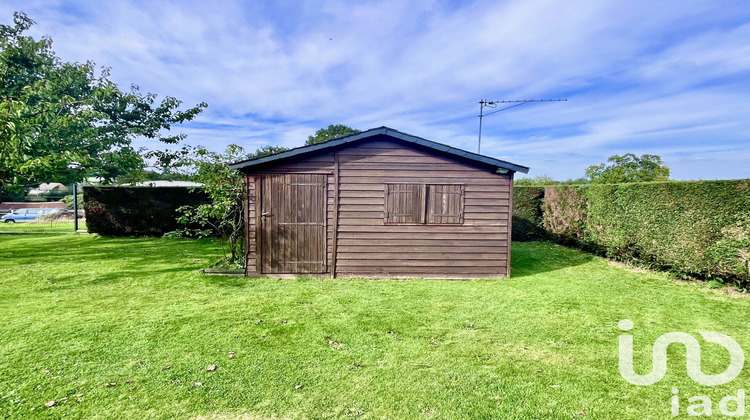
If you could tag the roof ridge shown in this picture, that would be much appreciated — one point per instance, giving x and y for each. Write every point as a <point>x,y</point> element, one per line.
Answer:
<point>384,130</point>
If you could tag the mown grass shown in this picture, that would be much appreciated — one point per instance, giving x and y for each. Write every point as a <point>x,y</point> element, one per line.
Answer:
<point>81,311</point>
<point>57,226</point>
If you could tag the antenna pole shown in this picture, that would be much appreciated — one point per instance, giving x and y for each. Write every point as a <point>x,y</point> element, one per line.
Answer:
<point>492,104</point>
<point>481,116</point>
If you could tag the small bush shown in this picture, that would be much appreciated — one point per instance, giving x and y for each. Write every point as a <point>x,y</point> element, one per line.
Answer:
<point>68,200</point>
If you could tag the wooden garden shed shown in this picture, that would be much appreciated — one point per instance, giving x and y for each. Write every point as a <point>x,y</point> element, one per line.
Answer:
<point>380,203</point>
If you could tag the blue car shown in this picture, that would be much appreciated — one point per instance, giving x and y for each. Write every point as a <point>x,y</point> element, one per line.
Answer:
<point>26,215</point>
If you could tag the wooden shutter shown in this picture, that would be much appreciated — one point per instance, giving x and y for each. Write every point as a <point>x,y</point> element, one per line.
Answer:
<point>403,203</point>
<point>445,204</point>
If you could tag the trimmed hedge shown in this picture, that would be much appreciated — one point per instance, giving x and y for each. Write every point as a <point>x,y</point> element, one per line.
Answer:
<point>696,228</point>
<point>137,211</point>
<point>527,214</point>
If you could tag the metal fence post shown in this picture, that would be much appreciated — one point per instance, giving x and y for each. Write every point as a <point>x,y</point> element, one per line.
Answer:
<point>75,207</point>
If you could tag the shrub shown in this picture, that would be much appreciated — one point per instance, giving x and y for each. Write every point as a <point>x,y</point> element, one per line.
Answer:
<point>137,211</point>
<point>68,200</point>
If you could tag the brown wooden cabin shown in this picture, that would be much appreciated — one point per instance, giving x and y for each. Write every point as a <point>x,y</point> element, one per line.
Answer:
<point>380,203</point>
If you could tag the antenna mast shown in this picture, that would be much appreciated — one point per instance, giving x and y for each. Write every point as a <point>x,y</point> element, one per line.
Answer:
<point>484,103</point>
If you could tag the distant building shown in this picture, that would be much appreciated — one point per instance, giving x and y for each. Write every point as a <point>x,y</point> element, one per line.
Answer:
<point>54,189</point>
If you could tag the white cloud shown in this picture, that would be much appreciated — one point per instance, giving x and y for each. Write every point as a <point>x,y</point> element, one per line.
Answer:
<point>642,77</point>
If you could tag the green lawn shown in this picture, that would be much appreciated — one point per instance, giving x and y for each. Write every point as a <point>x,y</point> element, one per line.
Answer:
<point>50,226</point>
<point>79,311</point>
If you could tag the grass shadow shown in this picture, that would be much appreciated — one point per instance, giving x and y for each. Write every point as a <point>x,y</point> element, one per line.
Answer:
<point>531,258</point>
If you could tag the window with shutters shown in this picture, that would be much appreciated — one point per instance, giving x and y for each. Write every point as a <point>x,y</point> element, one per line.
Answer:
<point>445,204</point>
<point>437,204</point>
<point>403,203</point>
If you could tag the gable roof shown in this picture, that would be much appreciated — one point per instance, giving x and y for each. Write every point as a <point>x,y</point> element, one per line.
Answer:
<point>390,132</point>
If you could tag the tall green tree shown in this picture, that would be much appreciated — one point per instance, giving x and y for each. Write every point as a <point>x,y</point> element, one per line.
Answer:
<point>330,133</point>
<point>628,168</point>
<point>63,122</point>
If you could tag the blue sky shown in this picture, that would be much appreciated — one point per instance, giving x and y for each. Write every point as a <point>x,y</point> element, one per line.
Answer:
<point>670,77</point>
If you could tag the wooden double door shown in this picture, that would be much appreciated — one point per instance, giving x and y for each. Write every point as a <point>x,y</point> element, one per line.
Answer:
<point>293,223</point>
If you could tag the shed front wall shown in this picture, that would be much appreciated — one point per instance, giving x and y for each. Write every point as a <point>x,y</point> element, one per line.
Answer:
<point>366,246</point>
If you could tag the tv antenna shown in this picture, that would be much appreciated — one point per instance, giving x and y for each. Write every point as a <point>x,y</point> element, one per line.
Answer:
<point>484,103</point>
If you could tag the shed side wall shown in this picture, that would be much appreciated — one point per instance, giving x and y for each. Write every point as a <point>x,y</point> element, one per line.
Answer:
<point>367,247</point>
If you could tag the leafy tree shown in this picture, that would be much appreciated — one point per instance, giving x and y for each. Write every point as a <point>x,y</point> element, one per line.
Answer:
<point>577,181</point>
<point>148,175</point>
<point>330,133</point>
<point>628,168</point>
<point>534,181</point>
<point>62,122</point>
<point>224,215</point>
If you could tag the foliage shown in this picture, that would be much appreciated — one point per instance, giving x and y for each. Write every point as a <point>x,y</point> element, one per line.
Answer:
<point>576,181</point>
<point>68,200</point>
<point>266,151</point>
<point>147,175</point>
<point>224,214</point>
<point>564,212</point>
<point>138,313</point>
<point>628,168</point>
<point>62,122</point>
<point>527,214</point>
<point>330,133</point>
<point>673,225</point>
<point>697,229</point>
<point>731,254</point>
<point>137,211</point>
<point>534,181</point>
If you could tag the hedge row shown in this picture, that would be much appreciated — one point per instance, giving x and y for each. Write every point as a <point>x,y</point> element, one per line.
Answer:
<point>527,214</point>
<point>696,228</point>
<point>137,211</point>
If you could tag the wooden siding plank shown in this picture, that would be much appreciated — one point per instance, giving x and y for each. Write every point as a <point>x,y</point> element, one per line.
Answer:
<point>385,178</point>
<point>401,250</point>
<point>497,233</point>
<point>378,186</point>
<point>510,227</point>
<point>334,244</point>
<point>410,242</point>
<point>428,265</point>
